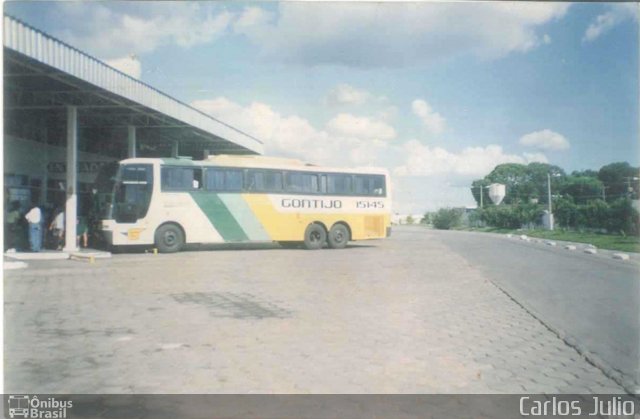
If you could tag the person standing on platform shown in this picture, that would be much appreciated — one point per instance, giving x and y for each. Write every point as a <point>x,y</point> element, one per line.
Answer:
<point>34,217</point>
<point>12,231</point>
<point>57,228</point>
<point>83,232</point>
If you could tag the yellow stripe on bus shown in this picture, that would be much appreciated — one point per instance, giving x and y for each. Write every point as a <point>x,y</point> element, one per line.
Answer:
<point>283,226</point>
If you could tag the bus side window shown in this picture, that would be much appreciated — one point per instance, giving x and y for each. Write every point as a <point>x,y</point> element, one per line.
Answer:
<point>339,184</point>
<point>301,182</point>
<point>223,180</point>
<point>213,180</point>
<point>197,179</point>
<point>254,180</point>
<point>360,185</point>
<point>377,184</point>
<point>233,180</point>
<point>273,181</point>
<point>180,178</point>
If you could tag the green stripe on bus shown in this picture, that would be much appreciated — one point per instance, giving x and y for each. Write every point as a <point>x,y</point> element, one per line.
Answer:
<point>219,216</point>
<point>244,216</point>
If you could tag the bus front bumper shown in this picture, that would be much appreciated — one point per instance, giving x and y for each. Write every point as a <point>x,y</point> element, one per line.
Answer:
<point>126,234</point>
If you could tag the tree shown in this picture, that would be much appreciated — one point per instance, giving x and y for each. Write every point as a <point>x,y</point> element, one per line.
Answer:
<point>514,177</point>
<point>581,188</point>
<point>566,212</point>
<point>447,218</point>
<point>410,219</point>
<point>617,178</point>
<point>512,216</point>
<point>594,214</point>
<point>478,187</point>
<point>523,182</point>
<point>502,217</point>
<point>585,173</point>
<point>623,218</point>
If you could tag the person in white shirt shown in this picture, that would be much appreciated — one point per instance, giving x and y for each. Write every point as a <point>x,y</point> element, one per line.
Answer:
<point>57,227</point>
<point>34,217</point>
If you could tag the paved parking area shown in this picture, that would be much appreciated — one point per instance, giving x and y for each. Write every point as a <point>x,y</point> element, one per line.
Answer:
<point>402,315</point>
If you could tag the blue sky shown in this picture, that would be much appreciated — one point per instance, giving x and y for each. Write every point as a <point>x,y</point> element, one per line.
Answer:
<point>439,93</point>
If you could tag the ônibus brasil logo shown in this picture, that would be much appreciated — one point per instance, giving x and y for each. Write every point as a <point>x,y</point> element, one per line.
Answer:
<point>25,406</point>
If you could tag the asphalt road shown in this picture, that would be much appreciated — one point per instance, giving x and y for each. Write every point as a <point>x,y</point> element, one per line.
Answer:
<point>592,300</point>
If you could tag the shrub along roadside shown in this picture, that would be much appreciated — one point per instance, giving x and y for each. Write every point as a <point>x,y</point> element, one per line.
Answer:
<point>446,218</point>
<point>618,216</point>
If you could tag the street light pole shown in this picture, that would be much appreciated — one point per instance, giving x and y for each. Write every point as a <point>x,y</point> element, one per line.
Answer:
<point>549,198</point>
<point>629,188</point>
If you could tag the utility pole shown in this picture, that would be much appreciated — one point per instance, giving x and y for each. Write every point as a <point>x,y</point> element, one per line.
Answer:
<point>549,197</point>
<point>481,193</point>
<point>629,188</point>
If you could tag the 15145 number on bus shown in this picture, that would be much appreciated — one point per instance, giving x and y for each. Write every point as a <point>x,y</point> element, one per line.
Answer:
<point>369,204</point>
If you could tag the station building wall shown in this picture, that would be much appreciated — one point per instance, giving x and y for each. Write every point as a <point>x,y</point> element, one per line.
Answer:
<point>37,170</point>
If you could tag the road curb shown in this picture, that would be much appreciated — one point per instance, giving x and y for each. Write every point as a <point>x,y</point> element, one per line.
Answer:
<point>586,248</point>
<point>621,256</point>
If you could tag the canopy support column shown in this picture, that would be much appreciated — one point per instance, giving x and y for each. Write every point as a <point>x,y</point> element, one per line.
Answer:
<point>72,170</point>
<point>131,142</point>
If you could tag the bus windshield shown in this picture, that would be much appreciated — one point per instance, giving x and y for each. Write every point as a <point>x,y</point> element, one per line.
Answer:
<point>103,187</point>
<point>124,191</point>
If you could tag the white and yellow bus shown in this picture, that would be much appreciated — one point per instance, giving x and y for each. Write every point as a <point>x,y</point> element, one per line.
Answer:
<point>168,203</point>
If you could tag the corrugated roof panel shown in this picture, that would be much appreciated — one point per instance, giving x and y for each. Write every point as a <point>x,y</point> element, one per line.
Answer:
<point>52,52</point>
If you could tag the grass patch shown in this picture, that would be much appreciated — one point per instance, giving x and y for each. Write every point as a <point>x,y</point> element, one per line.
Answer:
<point>601,241</point>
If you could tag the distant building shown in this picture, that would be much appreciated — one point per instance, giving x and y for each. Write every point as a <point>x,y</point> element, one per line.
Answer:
<point>400,219</point>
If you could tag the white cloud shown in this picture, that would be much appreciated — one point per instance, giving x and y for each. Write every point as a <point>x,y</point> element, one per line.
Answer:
<point>293,136</point>
<point>129,65</point>
<point>348,125</point>
<point>535,157</point>
<point>423,160</point>
<point>616,14</point>
<point>388,113</point>
<point>111,31</point>
<point>364,34</point>
<point>545,140</point>
<point>345,94</point>
<point>433,121</point>
<point>251,18</point>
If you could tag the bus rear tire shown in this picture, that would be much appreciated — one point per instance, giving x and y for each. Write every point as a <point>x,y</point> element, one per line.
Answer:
<point>169,238</point>
<point>338,236</point>
<point>314,237</point>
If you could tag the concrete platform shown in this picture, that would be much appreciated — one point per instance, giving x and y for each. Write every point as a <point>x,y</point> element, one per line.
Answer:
<point>43,255</point>
<point>9,265</point>
<point>89,254</point>
<point>82,254</point>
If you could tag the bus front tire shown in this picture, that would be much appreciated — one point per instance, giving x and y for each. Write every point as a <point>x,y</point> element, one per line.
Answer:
<point>169,238</point>
<point>314,237</point>
<point>338,236</point>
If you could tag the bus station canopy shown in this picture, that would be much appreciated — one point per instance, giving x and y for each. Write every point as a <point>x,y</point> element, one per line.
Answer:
<point>43,77</point>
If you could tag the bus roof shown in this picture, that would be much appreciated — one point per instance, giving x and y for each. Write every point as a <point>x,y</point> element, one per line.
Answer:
<point>254,161</point>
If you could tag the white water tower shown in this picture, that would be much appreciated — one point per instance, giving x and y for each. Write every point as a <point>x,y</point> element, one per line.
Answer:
<point>497,192</point>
